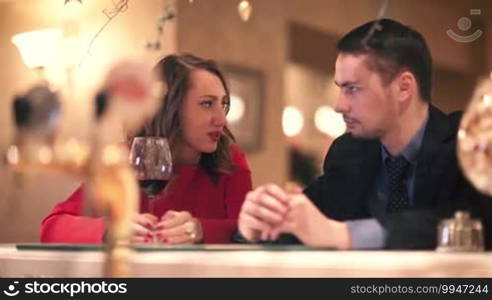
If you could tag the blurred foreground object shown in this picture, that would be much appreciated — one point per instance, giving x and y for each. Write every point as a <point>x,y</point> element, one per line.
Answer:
<point>460,234</point>
<point>475,156</point>
<point>475,139</point>
<point>125,101</point>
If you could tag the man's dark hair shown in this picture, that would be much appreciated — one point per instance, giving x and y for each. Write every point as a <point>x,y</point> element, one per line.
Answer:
<point>392,47</point>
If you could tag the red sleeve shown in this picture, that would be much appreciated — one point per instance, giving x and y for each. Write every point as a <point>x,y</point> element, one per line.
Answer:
<point>237,185</point>
<point>64,224</point>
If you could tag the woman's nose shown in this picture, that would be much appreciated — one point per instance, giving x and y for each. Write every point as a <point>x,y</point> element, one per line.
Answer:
<point>219,118</point>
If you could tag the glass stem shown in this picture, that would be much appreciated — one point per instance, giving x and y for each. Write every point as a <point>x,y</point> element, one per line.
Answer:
<point>151,202</point>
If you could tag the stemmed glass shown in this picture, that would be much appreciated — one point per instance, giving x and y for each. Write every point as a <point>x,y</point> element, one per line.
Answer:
<point>152,161</point>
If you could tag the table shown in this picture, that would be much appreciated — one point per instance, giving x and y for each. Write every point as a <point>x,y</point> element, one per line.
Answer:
<point>37,260</point>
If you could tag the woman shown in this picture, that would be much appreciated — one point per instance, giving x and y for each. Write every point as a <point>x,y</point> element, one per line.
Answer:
<point>202,201</point>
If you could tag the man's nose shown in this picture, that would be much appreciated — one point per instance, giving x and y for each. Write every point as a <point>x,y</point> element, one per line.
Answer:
<point>341,104</point>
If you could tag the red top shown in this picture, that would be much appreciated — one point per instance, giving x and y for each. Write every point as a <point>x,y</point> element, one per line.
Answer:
<point>215,205</point>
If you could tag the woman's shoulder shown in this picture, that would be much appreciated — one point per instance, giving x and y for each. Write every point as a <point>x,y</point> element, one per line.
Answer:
<point>239,158</point>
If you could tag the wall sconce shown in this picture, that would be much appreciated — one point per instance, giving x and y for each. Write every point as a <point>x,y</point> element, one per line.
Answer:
<point>244,9</point>
<point>329,122</point>
<point>237,108</point>
<point>292,121</point>
<point>39,49</point>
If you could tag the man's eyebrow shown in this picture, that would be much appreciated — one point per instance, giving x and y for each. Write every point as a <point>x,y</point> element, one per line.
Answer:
<point>345,83</point>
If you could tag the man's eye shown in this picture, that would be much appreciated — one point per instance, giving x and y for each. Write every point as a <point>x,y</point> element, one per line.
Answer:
<point>351,89</point>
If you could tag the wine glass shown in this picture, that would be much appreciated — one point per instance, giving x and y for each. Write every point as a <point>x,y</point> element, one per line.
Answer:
<point>152,161</point>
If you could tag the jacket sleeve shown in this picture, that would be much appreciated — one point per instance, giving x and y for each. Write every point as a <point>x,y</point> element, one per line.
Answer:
<point>64,224</point>
<point>417,229</point>
<point>237,185</point>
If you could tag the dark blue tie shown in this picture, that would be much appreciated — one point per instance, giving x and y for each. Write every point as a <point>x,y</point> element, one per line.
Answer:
<point>397,189</point>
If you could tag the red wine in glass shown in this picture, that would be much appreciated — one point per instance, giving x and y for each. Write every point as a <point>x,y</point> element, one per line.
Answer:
<point>152,187</point>
<point>152,160</point>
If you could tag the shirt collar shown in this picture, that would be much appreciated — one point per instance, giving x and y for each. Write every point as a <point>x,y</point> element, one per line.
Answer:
<point>412,149</point>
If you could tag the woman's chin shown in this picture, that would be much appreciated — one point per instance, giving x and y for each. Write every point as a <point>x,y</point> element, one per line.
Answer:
<point>209,148</point>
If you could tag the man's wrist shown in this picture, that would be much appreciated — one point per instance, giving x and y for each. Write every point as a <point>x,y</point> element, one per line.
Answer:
<point>344,238</point>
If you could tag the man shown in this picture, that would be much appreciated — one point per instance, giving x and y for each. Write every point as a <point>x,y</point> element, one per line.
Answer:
<point>393,176</point>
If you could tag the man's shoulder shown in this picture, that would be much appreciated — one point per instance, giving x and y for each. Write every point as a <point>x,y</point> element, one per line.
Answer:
<point>453,118</point>
<point>348,148</point>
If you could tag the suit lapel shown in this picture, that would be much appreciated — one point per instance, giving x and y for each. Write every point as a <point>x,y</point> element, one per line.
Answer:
<point>430,162</point>
<point>367,174</point>
<point>350,177</point>
<point>371,164</point>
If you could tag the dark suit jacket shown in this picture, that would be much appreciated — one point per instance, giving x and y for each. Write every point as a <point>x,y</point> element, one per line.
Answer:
<point>346,189</point>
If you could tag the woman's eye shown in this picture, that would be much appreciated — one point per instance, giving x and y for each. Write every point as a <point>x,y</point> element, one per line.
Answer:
<point>206,103</point>
<point>226,105</point>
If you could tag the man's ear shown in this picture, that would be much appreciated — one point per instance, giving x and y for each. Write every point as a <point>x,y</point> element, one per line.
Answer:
<point>405,86</point>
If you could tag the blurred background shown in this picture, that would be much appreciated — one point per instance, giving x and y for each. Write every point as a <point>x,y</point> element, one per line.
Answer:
<point>278,55</point>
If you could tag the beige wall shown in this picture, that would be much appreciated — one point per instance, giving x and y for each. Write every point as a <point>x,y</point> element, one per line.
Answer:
<point>22,208</point>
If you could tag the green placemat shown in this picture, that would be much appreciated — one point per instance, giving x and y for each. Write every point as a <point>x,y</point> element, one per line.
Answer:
<point>146,248</point>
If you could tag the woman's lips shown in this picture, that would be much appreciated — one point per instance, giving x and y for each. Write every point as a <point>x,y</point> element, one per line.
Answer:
<point>214,136</point>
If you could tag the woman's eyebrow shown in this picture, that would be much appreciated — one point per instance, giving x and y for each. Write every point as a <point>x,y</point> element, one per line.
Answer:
<point>215,97</point>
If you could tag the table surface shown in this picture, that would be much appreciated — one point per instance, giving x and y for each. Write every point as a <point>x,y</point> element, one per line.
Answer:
<point>38,260</point>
